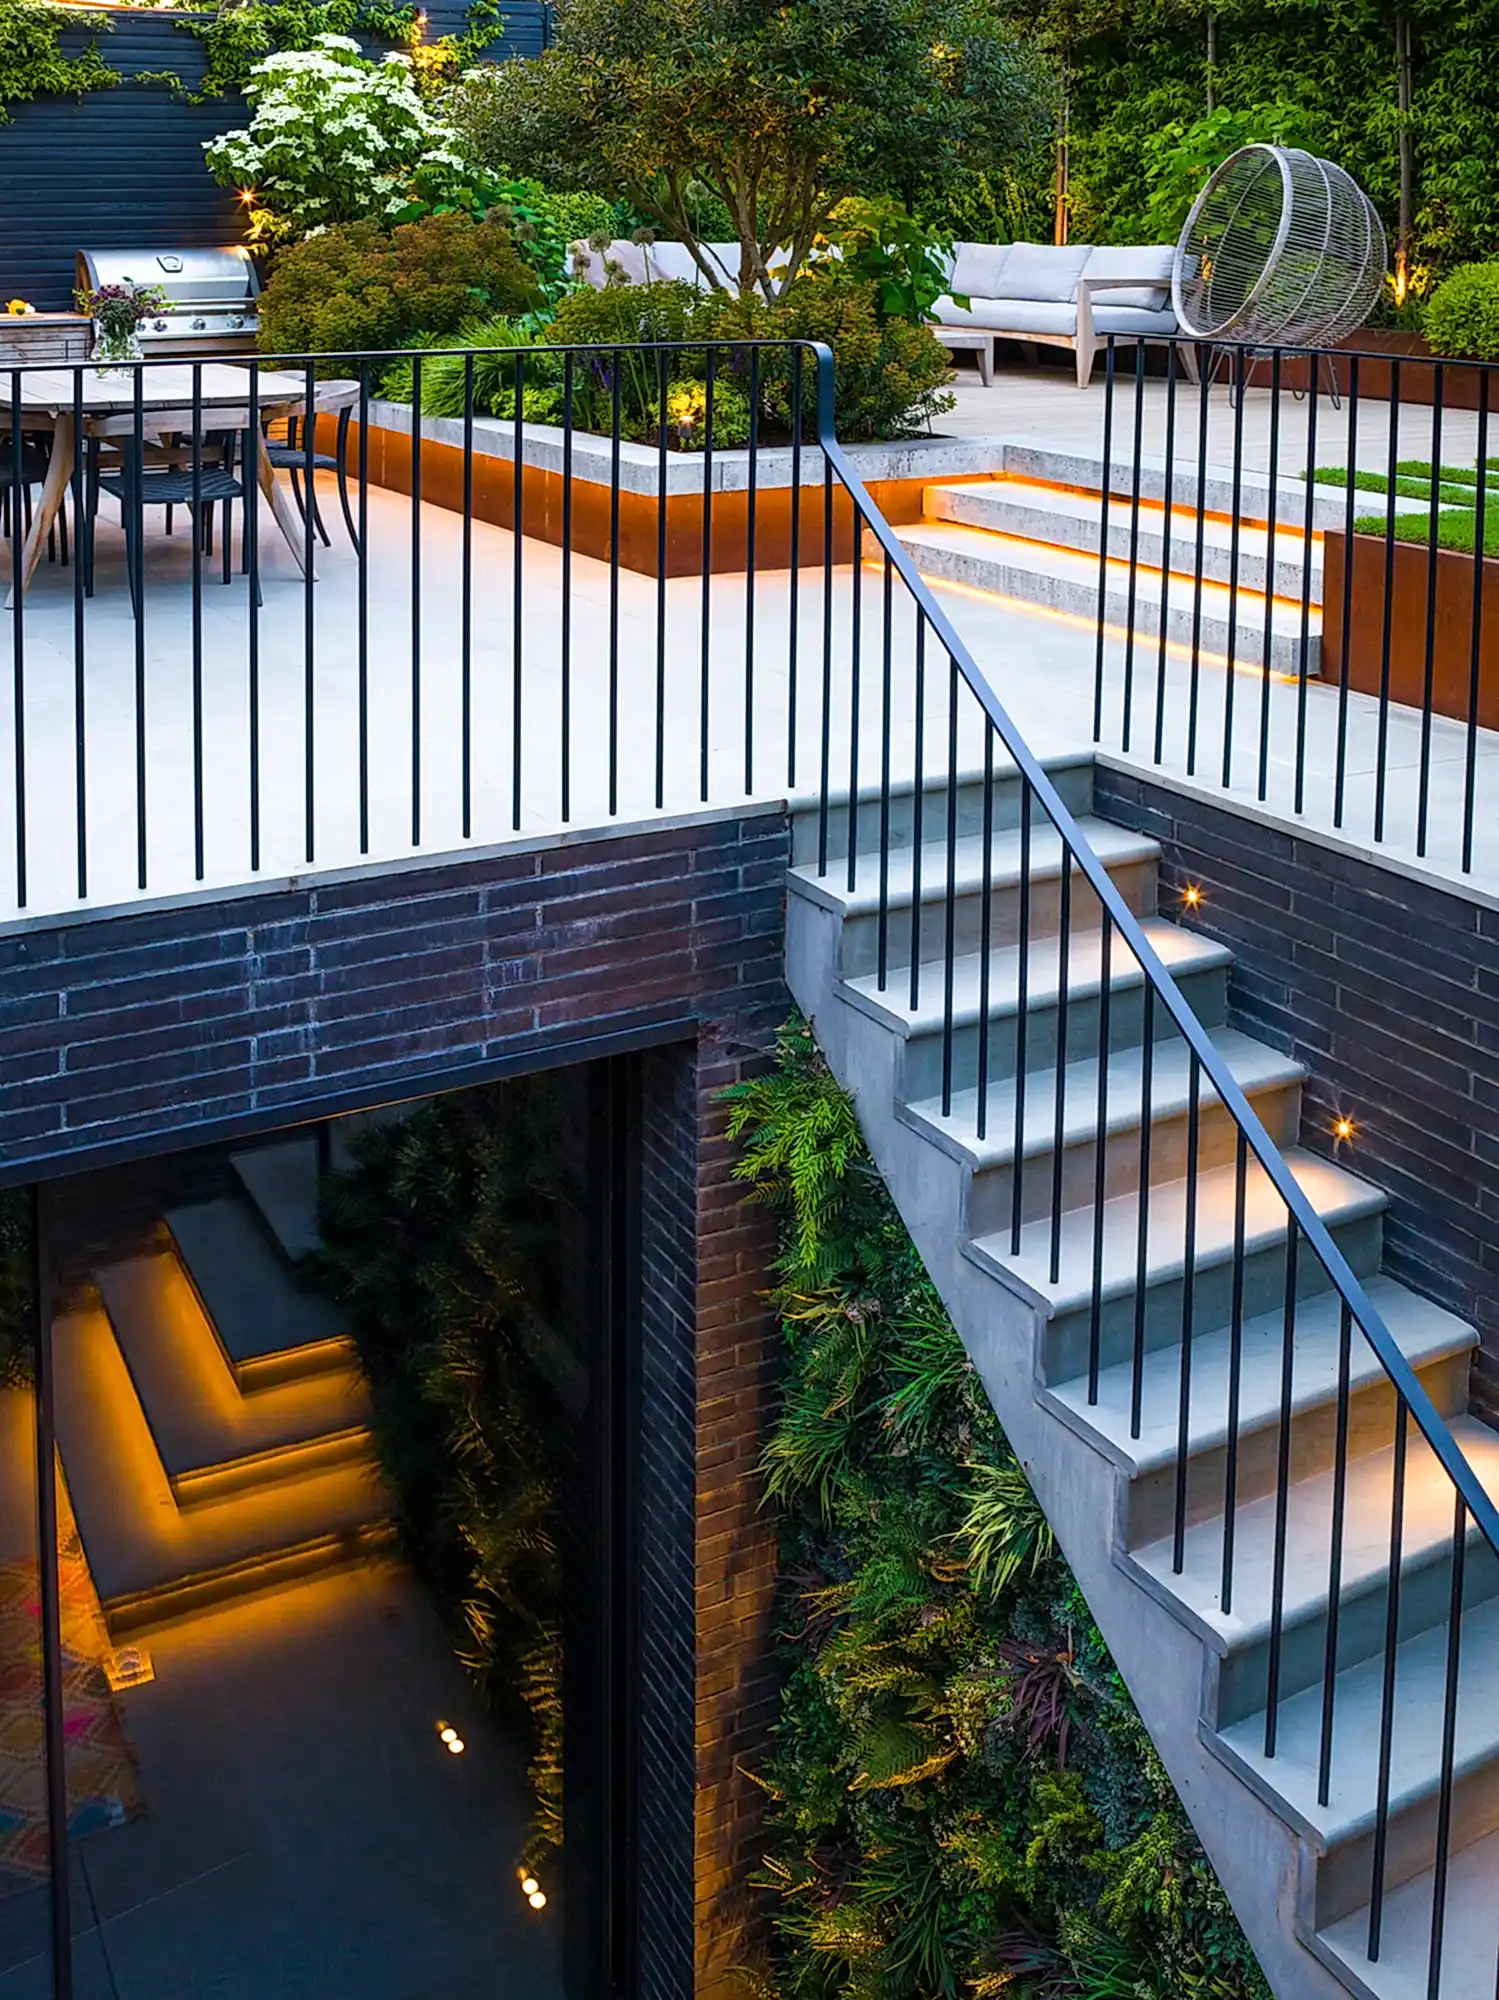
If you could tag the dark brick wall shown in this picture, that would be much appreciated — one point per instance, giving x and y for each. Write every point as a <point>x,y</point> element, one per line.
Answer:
<point>711,1351</point>
<point>1389,991</point>
<point>173,1026</point>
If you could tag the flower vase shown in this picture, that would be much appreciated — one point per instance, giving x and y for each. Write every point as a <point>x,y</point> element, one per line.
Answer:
<point>110,349</point>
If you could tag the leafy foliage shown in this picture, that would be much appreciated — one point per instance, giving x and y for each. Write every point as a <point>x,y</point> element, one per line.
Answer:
<point>436,1245</point>
<point>359,288</point>
<point>962,1799</point>
<point>17,1289</point>
<point>776,113</point>
<point>1462,314</point>
<point>879,243</point>
<point>33,62</point>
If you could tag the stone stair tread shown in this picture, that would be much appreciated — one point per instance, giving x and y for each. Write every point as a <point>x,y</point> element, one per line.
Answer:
<point>1366,1537</point>
<point>1425,1333</point>
<point>136,1537</point>
<point>249,1296</point>
<point>197,1412</point>
<point>1358,1707</point>
<point>282,1182</point>
<point>1253,1065</point>
<point>985,549</point>
<point>1470,1930</point>
<point>996,503</point>
<point>1336,1195</point>
<point>1181,951</point>
<point>1115,847</point>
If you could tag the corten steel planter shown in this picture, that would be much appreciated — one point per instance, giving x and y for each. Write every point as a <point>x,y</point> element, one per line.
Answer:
<point>1377,347</point>
<point>1452,648</point>
<point>896,476</point>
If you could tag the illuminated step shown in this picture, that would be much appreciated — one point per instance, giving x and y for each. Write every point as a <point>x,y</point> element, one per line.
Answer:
<point>270,1331</point>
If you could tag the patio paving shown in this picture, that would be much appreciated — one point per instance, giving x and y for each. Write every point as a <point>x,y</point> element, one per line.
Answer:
<point>669,695</point>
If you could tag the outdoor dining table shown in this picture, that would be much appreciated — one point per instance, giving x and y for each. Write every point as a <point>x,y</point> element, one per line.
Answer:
<point>52,400</point>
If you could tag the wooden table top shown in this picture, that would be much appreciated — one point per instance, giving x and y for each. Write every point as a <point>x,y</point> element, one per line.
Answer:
<point>164,386</point>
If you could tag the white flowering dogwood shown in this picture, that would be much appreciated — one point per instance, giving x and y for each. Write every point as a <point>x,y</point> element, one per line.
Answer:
<point>335,137</point>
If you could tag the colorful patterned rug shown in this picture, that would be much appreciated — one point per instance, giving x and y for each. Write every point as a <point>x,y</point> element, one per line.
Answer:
<point>102,1786</point>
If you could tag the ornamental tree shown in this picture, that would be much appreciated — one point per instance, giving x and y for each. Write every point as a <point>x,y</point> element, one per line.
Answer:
<point>779,110</point>
<point>335,138</point>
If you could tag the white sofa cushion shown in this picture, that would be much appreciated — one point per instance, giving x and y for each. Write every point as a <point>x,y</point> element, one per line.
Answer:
<point>978,270</point>
<point>1017,316</point>
<point>1143,260</point>
<point>671,261</point>
<point>1131,319</point>
<point>1045,272</point>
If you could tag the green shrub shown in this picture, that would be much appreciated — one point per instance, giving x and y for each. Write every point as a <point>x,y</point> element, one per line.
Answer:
<point>494,341</point>
<point>360,288</point>
<point>889,375</point>
<point>1462,314</point>
<point>687,415</point>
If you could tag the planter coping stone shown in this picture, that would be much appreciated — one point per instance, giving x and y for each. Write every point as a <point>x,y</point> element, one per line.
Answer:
<point>639,464</point>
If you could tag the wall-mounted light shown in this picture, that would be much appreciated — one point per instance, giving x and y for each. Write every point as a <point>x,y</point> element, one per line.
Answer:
<point>532,1890</point>
<point>1343,1128</point>
<point>450,1739</point>
<point>1192,896</point>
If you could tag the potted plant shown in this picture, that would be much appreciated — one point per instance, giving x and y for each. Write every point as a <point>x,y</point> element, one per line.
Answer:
<point>118,312</point>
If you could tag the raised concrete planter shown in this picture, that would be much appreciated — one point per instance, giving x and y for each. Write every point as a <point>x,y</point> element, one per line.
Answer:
<point>896,475</point>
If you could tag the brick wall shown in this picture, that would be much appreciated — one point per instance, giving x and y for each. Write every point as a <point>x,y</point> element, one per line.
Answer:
<point>177,1025</point>
<point>1388,990</point>
<point>710,1366</point>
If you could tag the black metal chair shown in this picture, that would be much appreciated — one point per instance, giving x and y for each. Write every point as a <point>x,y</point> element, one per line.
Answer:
<point>141,473</point>
<point>35,455</point>
<point>288,453</point>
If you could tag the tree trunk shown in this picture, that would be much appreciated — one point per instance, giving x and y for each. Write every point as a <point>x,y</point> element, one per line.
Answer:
<point>1059,228</point>
<point>1212,62</point>
<point>1404,223</point>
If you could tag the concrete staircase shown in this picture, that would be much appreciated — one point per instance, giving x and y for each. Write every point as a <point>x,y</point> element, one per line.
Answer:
<point>1033,531</point>
<point>211,1418</point>
<point>1298,1872</point>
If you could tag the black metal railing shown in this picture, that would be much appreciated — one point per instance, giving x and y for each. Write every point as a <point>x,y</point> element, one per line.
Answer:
<point>1293,598</point>
<point>402,626</point>
<point>1042,912</point>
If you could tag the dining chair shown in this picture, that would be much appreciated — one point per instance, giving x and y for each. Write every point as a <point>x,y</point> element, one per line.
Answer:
<point>35,455</point>
<point>287,452</point>
<point>154,468</point>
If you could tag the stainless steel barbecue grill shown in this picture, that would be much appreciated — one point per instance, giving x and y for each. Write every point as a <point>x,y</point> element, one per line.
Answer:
<point>212,295</point>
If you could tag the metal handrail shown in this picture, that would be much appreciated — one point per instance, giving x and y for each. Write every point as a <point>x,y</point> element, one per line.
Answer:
<point>1402,1376</point>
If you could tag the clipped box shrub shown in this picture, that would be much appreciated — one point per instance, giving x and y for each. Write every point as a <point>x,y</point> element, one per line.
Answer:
<point>1462,314</point>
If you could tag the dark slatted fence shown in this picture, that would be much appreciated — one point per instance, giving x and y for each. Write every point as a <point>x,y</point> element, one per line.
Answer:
<point>124,166</point>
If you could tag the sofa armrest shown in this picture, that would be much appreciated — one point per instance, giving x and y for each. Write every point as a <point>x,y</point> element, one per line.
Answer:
<point>1151,281</point>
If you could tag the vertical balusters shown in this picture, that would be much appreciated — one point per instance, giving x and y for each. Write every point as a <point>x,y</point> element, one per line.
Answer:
<point>1335,1560</point>
<point>663,390</point>
<point>1164,621</point>
<point>252,537</point>
<point>80,742</point>
<point>1282,1489</point>
<point>1350,515</point>
<point>749,578</point>
<point>1382,745</point>
<point>1022,1011</point>
<point>918,804</point>
<point>986,891</point>
<point>18,650</point>
<point>1132,590</point>
<point>1270,592</point>
<point>825,761</point>
<point>1389,1679</point>
<point>1235,537</point>
<point>950,913</point>
<point>416,614</point>
<point>1475,657</point>
<point>1450,1683</point>
<point>1103,534</point>
<point>1235,1370</point>
<point>466,606</point>
<point>705,690</point>
<point>1309,518</point>
<point>1142,1213</point>
<point>1100,1152</point>
<point>616,407</point>
<point>136,558</point>
<point>1059,1106</point>
<point>1194,674</point>
<point>855,689</point>
<point>1189,1286</point>
<point>1423,797</point>
<point>197,604</point>
<point>793,609</point>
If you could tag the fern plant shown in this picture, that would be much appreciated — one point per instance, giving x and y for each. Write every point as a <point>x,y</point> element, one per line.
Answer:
<point>962,1800</point>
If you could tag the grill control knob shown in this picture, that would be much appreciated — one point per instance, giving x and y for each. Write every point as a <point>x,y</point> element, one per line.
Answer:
<point>158,326</point>
<point>237,321</point>
<point>199,324</point>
